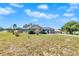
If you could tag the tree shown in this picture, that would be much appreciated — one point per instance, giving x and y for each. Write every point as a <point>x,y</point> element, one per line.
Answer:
<point>1,29</point>
<point>14,31</point>
<point>70,27</point>
<point>14,26</point>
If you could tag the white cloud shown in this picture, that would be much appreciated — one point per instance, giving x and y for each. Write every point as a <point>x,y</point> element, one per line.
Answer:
<point>32,13</point>
<point>74,19</point>
<point>17,5</point>
<point>35,20</point>
<point>63,21</point>
<point>73,7</point>
<point>43,6</point>
<point>6,11</point>
<point>38,14</point>
<point>69,14</point>
<point>63,7</point>
<point>47,16</point>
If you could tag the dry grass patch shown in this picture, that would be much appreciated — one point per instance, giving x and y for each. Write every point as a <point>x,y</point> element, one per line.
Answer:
<point>38,45</point>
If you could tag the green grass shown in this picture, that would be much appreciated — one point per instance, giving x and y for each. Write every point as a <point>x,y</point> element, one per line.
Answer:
<point>38,45</point>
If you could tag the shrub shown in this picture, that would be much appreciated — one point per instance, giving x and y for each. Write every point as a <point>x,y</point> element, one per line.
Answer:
<point>16,34</point>
<point>31,32</point>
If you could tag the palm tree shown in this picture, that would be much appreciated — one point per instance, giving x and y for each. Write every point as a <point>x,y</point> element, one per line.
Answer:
<point>14,31</point>
<point>14,26</point>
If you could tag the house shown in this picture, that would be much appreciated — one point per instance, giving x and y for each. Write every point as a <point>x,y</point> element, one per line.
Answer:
<point>49,30</point>
<point>34,27</point>
<point>58,32</point>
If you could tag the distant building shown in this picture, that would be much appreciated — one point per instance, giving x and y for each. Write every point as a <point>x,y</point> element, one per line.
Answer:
<point>49,30</point>
<point>36,28</point>
<point>58,32</point>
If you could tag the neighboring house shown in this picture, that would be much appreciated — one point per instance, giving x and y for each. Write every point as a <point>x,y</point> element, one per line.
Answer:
<point>36,28</point>
<point>49,30</point>
<point>76,32</point>
<point>58,32</point>
<point>27,26</point>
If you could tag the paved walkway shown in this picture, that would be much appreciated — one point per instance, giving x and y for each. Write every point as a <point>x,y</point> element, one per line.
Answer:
<point>69,35</point>
<point>65,34</point>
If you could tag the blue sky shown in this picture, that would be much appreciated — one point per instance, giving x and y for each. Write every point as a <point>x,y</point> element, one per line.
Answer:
<point>53,15</point>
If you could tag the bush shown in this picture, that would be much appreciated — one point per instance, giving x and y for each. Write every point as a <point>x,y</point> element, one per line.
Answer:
<point>16,34</point>
<point>31,32</point>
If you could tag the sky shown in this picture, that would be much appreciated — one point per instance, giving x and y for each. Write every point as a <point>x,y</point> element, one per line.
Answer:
<point>53,15</point>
